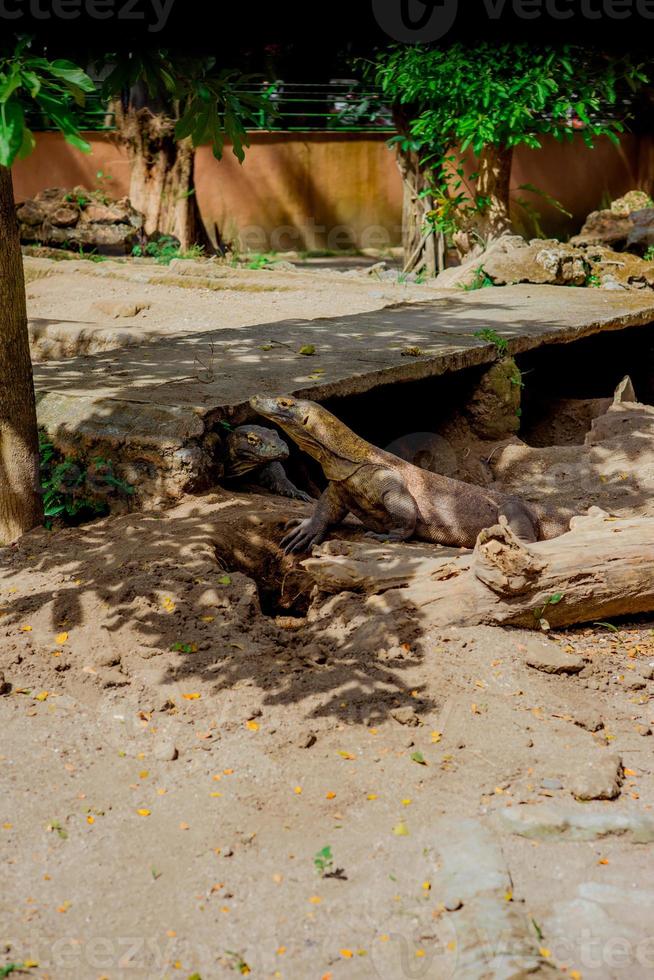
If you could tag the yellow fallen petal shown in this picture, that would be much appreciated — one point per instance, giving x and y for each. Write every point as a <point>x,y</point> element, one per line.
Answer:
<point>90,818</point>
<point>215,795</point>
<point>346,755</point>
<point>253,726</point>
<point>372,796</point>
<point>400,829</point>
<point>330,795</point>
<point>315,899</point>
<point>298,790</point>
<point>144,774</point>
<point>546,953</point>
<point>26,629</point>
<point>144,813</point>
<point>43,696</point>
<point>436,736</point>
<point>207,619</point>
<point>346,953</point>
<point>61,638</point>
<point>193,696</point>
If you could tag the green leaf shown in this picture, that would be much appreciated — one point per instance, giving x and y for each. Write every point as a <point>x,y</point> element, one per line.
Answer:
<point>419,758</point>
<point>72,74</point>
<point>12,123</point>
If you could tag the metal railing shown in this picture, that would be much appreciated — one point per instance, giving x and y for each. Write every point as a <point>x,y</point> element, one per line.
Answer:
<point>341,105</point>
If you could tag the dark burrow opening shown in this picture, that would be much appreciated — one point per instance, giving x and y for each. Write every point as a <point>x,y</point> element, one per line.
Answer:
<point>563,387</point>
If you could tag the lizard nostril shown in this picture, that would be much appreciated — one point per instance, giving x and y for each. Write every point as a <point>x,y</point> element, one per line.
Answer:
<point>305,420</point>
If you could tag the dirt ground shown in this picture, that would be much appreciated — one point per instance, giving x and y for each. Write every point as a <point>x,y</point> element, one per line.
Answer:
<point>201,780</point>
<point>127,642</point>
<point>82,307</point>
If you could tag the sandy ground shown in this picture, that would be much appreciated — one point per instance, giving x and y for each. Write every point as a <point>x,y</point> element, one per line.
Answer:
<point>126,643</point>
<point>174,762</point>
<point>78,306</point>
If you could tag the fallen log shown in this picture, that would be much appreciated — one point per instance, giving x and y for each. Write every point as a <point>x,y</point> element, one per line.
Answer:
<point>603,567</point>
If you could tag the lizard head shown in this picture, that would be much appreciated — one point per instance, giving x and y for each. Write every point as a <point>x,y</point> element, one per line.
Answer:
<point>249,446</point>
<point>316,431</point>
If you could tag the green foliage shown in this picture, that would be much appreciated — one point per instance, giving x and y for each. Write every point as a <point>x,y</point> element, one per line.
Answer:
<point>74,491</point>
<point>208,104</point>
<point>259,262</point>
<point>492,337</point>
<point>54,88</point>
<point>649,253</point>
<point>479,281</point>
<point>484,94</point>
<point>324,861</point>
<point>166,248</point>
<point>592,281</point>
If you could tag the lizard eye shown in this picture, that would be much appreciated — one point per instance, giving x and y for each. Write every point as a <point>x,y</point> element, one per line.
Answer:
<point>252,439</point>
<point>284,402</point>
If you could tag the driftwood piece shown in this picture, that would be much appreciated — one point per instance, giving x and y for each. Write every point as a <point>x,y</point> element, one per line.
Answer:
<point>602,567</point>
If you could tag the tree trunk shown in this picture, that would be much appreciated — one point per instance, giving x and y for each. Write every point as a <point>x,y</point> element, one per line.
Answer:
<point>423,247</point>
<point>20,501</point>
<point>162,183</point>
<point>494,170</point>
<point>493,183</point>
<point>603,567</point>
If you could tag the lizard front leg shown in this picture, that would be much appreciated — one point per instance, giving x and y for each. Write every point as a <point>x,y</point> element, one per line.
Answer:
<point>329,509</point>
<point>400,510</point>
<point>273,477</point>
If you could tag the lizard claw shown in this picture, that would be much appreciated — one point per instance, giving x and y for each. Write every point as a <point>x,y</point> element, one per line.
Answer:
<point>378,537</point>
<point>301,537</point>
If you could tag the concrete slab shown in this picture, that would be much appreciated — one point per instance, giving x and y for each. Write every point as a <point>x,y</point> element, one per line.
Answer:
<point>168,392</point>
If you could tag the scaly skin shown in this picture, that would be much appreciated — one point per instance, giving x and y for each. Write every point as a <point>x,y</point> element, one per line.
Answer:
<point>394,499</point>
<point>255,451</point>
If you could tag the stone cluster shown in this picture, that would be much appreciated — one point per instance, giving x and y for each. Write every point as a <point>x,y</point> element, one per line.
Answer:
<point>80,219</point>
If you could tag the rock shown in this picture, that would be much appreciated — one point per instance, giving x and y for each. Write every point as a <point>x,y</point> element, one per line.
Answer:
<point>599,779</point>
<point>77,218</point>
<point>110,677</point>
<point>165,751</point>
<point>453,904</point>
<point>551,659</point>
<point>548,783</point>
<point>627,223</point>
<point>641,235</point>
<point>105,658</point>
<point>65,217</point>
<point>30,213</point>
<point>604,228</point>
<point>553,820</point>
<point>118,308</point>
<point>633,682</point>
<point>493,407</point>
<point>405,716</point>
<point>306,740</point>
<point>5,686</point>
<point>610,282</point>
<point>626,269</point>
<point>630,202</point>
<point>643,730</point>
<point>590,720</point>
<point>464,275</point>
<point>539,261</point>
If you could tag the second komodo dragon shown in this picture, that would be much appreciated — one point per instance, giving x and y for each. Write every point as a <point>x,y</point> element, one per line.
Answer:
<point>394,499</point>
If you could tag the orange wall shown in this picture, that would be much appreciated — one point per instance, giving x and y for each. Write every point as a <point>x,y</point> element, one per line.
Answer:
<point>317,190</point>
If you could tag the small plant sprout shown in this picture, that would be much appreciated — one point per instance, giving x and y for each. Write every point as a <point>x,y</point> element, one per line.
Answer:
<point>324,861</point>
<point>552,600</point>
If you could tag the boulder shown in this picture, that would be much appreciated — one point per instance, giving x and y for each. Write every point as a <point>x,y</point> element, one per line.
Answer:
<point>80,219</point>
<point>627,224</point>
<point>543,261</point>
<point>630,202</point>
<point>621,268</point>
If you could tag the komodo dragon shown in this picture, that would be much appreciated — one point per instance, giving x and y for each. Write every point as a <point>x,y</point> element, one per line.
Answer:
<point>255,452</point>
<point>394,499</point>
